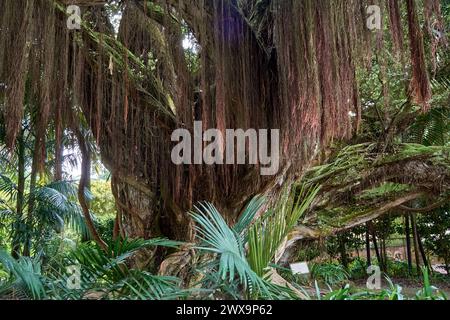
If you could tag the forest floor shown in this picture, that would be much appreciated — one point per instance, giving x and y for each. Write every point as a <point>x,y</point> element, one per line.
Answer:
<point>410,286</point>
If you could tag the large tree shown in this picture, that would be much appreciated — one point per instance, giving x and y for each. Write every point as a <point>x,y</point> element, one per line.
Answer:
<point>270,64</point>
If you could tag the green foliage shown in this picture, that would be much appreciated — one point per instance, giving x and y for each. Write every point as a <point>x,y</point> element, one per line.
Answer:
<point>429,292</point>
<point>24,275</point>
<point>330,274</point>
<point>103,203</point>
<point>107,275</point>
<point>246,253</point>
<point>309,250</point>
<point>267,234</point>
<point>398,269</point>
<point>55,208</point>
<point>393,292</point>
<point>104,275</point>
<point>232,264</point>
<point>105,227</point>
<point>433,228</point>
<point>342,244</point>
<point>358,269</point>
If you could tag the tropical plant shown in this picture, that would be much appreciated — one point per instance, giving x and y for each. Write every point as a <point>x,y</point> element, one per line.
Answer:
<point>247,252</point>
<point>394,292</point>
<point>100,275</point>
<point>268,235</point>
<point>146,83</point>
<point>24,279</point>
<point>330,273</point>
<point>231,267</point>
<point>429,292</point>
<point>142,69</point>
<point>107,275</point>
<point>433,228</point>
<point>103,204</point>
<point>54,208</point>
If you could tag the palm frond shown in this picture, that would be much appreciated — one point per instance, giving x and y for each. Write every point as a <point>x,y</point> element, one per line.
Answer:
<point>218,238</point>
<point>107,274</point>
<point>56,206</point>
<point>249,214</point>
<point>267,235</point>
<point>25,275</point>
<point>7,187</point>
<point>146,286</point>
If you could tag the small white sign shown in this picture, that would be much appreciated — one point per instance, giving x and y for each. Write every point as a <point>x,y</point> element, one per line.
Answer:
<point>300,268</point>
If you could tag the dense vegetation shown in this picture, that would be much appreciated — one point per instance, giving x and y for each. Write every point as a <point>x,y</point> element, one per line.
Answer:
<point>91,206</point>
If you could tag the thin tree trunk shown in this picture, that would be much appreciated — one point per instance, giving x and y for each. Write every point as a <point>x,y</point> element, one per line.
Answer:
<point>375,245</point>
<point>422,252</point>
<point>31,201</point>
<point>408,243</point>
<point>15,251</point>
<point>384,253</point>
<point>58,170</point>
<point>380,246</point>
<point>343,252</point>
<point>377,252</point>
<point>416,242</point>
<point>368,249</point>
<point>83,184</point>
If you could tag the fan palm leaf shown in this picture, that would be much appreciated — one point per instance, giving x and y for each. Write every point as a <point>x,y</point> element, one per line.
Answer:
<point>232,267</point>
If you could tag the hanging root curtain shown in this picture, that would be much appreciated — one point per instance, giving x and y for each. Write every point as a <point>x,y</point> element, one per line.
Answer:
<point>262,64</point>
